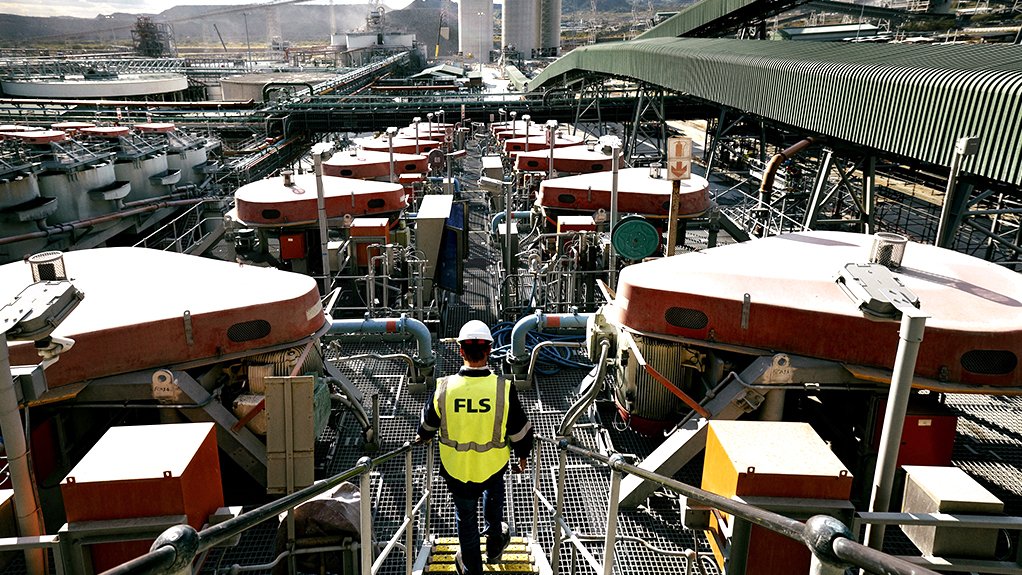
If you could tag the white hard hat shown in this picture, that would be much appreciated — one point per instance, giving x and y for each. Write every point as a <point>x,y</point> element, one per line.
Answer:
<point>475,330</point>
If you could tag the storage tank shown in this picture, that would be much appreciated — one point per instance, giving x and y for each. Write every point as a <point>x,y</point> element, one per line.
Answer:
<point>187,153</point>
<point>82,194</point>
<point>140,162</point>
<point>520,30</point>
<point>22,208</point>
<point>475,29</point>
<point>79,178</point>
<point>107,86</point>
<point>551,33</point>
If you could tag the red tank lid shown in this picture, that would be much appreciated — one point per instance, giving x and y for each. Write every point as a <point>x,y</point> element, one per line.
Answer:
<point>158,127</point>
<point>107,131</point>
<point>372,164</point>
<point>401,145</point>
<point>36,136</point>
<point>638,193</point>
<point>17,128</point>
<point>71,126</point>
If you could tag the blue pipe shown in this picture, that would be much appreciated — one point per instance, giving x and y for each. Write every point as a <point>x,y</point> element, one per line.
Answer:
<point>519,349</point>
<point>501,216</point>
<point>400,325</point>
<point>439,180</point>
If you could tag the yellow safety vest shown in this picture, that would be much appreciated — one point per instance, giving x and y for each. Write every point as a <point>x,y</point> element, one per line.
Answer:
<point>473,418</point>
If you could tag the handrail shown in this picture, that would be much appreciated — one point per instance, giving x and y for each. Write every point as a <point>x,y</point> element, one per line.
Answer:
<point>177,547</point>
<point>830,541</point>
<point>159,233</point>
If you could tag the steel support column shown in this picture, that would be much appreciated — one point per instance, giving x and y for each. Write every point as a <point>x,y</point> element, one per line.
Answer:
<point>819,196</point>
<point>869,201</point>
<point>650,103</point>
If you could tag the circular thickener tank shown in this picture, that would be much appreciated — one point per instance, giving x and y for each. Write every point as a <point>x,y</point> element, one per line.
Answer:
<point>521,26</point>
<point>124,85</point>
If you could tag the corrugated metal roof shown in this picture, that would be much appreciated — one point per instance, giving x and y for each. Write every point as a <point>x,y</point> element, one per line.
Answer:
<point>843,29</point>
<point>703,17</point>
<point>909,100</point>
<point>441,70</point>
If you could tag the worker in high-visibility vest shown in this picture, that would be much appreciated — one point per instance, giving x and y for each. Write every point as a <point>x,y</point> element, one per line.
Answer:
<point>479,421</point>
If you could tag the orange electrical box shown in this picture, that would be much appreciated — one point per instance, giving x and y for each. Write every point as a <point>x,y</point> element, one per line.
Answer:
<point>770,459</point>
<point>292,246</point>
<point>368,231</point>
<point>144,471</point>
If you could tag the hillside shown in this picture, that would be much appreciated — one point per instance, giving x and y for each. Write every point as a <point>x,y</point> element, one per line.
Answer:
<point>298,24</point>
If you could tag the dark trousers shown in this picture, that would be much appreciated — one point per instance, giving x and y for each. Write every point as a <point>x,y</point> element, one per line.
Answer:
<point>466,514</point>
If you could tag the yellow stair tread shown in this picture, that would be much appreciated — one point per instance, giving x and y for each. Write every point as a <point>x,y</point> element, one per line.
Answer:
<point>505,558</point>
<point>513,548</point>
<point>454,540</point>
<point>487,567</point>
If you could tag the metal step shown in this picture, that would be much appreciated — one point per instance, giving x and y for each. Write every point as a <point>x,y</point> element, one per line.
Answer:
<point>519,557</point>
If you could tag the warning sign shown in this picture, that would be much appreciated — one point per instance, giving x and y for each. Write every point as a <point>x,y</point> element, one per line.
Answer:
<point>679,158</point>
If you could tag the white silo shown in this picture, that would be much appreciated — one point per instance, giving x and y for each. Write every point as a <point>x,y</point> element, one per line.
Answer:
<point>521,26</point>
<point>550,36</point>
<point>475,29</point>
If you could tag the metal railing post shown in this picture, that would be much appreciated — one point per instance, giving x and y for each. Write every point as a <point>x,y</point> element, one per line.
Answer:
<point>555,551</point>
<point>365,517</point>
<point>429,493</point>
<point>410,542</point>
<point>611,539</point>
<point>535,492</point>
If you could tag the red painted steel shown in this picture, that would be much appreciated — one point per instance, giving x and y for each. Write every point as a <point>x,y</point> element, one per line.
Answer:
<point>401,145</point>
<point>292,246</point>
<point>159,127</point>
<point>797,307</point>
<point>637,194</point>
<point>174,470</point>
<point>133,314</point>
<point>36,136</point>
<point>539,142</point>
<point>927,437</point>
<point>269,203</point>
<point>365,164</point>
<point>567,160</point>
<point>106,131</point>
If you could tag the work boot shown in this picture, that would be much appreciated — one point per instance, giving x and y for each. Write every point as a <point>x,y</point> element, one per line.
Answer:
<point>495,545</point>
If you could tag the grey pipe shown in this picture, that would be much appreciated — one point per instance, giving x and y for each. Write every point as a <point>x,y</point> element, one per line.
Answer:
<point>501,216</point>
<point>26,498</point>
<point>403,325</point>
<point>911,336</point>
<point>519,354</point>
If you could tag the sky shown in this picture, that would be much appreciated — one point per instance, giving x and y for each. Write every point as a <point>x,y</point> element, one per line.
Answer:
<point>93,8</point>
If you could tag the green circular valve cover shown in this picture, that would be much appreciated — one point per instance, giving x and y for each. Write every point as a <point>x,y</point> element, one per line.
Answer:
<point>635,238</point>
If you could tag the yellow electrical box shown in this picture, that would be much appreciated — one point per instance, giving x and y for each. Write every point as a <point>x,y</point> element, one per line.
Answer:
<point>785,461</point>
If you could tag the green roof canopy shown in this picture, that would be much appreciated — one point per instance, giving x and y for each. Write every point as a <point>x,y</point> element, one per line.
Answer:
<point>909,100</point>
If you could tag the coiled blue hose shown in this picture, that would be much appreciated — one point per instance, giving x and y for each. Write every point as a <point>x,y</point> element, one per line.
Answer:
<point>551,359</point>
